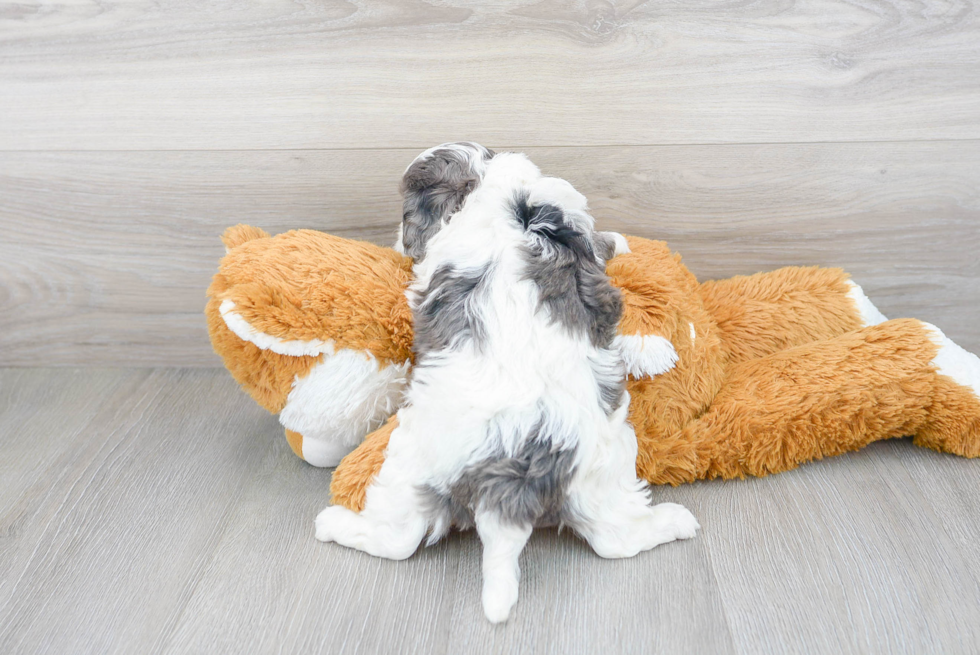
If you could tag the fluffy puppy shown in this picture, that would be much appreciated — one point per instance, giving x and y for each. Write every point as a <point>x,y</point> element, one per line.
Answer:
<point>516,412</point>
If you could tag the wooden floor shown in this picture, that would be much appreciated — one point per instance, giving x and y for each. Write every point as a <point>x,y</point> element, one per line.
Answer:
<point>151,510</point>
<point>160,511</point>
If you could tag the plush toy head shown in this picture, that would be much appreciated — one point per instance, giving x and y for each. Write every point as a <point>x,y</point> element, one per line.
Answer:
<point>315,328</point>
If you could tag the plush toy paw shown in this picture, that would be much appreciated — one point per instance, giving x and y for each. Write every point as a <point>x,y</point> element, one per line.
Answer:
<point>321,453</point>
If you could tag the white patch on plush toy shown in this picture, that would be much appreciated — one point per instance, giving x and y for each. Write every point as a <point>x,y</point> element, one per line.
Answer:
<point>293,348</point>
<point>622,246</point>
<point>955,362</point>
<point>869,313</point>
<point>694,333</point>
<point>341,399</point>
<point>324,454</point>
<point>646,355</point>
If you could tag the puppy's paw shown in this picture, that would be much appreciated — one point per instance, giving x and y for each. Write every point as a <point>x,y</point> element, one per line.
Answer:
<point>499,597</point>
<point>675,521</point>
<point>330,522</point>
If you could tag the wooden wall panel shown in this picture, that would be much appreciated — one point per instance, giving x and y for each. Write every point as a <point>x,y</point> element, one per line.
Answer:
<point>105,256</point>
<point>277,74</point>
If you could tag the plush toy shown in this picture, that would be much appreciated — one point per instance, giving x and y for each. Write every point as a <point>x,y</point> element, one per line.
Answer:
<point>747,376</point>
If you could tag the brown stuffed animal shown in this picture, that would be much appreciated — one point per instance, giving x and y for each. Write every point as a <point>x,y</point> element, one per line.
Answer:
<point>747,376</point>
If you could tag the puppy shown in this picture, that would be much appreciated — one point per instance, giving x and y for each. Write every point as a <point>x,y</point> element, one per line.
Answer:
<point>516,414</point>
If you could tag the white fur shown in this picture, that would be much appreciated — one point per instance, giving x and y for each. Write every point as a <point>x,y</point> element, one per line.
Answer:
<point>244,331</point>
<point>465,402</point>
<point>342,398</point>
<point>869,313</point>
<point>955,362</point>
<point>399,246</point>
<point>646,356</point>
<point>694,333</point>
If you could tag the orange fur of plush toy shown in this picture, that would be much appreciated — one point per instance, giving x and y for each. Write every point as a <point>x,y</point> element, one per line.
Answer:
<point>773,369</point>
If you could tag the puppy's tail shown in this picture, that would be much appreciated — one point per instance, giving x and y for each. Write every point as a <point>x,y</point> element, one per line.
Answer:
<point>502,546</point>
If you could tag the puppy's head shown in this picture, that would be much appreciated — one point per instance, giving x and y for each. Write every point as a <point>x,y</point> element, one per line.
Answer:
<point>434,188</point>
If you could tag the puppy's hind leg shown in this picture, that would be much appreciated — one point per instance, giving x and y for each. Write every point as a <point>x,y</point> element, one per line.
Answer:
<point>391,524</point>
<point>393,532</point>
<point>620,522</point>
<point>502,546</point>
<point>610,507</point>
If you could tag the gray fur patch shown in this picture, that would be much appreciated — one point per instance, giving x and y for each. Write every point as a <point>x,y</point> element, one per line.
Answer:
<point>528,488</point>
<point>444,314</point>
<point>610,375</point>
<point>561,261</point>
<point>434,188</point>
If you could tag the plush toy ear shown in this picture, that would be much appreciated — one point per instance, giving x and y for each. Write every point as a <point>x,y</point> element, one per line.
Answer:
<point>434,188</point>
<point>238,234</point>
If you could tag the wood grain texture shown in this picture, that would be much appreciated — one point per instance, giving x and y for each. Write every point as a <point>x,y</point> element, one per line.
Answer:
<point>844,556</point>
<point>164,513</point>
<point>103,550</point>
<point>142,74</point>
<point>105,256</point>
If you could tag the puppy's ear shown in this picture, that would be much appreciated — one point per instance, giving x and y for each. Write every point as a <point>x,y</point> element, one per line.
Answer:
<point>434,188</point>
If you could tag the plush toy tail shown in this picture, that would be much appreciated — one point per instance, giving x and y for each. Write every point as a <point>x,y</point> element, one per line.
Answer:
<point>899,378</point>
<point>238,234</point>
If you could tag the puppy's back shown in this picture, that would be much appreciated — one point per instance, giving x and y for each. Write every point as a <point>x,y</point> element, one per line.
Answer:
<point>514,320</point>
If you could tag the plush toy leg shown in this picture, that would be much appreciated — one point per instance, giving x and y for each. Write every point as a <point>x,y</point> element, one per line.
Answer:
<point>340,399</point>
<point>895,379</point>
<point>350,481</point>
<point>954,419</point>
<point>763,314</point>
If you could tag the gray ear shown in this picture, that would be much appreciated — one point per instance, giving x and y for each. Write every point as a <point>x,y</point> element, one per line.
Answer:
<point>434,188</point>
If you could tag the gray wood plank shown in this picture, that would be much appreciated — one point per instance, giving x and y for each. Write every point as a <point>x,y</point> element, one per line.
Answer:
<point>950,484</point>
<point>845,556</point>
<point>106,256</point>
<point>271,587</point>
<point>149,75</point>
<point>43,413</point>
<point>103,555</point>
